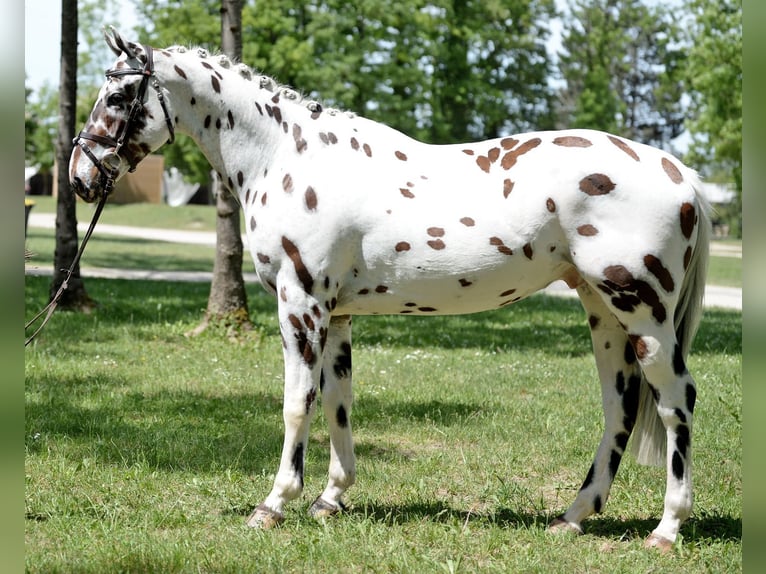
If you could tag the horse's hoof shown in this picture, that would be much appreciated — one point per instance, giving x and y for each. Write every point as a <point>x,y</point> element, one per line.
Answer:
<point>560,526</point>
<point>659,542</point>
<point>320,508</point>
<point>263,517</point>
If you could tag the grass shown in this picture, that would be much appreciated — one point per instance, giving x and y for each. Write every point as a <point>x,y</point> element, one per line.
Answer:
<point>109,251</point>
<point>145,450</point>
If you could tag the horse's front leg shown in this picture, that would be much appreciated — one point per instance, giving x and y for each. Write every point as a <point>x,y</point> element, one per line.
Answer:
<point>303,325</point>
<point>337,397</point>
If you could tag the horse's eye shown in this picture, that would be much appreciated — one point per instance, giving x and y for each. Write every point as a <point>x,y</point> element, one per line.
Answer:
<point>115,100</point>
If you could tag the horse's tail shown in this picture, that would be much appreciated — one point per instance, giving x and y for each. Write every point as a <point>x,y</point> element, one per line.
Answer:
<point>649,436</point>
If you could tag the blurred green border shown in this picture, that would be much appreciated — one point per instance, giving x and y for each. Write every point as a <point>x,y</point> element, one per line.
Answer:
<point>754,274</point>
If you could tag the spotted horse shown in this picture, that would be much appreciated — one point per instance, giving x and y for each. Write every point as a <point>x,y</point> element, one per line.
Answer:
<point>347,216</point>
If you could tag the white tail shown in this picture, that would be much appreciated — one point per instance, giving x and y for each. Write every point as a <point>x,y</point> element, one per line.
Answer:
<point>649,436</point>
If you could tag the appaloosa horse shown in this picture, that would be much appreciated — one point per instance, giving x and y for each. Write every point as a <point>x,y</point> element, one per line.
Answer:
<point>347,216</point>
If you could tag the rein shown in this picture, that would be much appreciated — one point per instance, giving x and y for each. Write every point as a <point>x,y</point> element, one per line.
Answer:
<point>109,175</point>
<point>51,307</point>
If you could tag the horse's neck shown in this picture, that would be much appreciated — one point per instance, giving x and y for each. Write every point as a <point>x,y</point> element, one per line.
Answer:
<point>239,125</point>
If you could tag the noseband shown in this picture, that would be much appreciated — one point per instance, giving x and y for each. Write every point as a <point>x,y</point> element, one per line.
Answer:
<point>136,107</point>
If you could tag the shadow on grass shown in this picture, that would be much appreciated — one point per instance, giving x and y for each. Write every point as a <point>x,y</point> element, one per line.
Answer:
<point>697,529</point>
<point>167,430</point>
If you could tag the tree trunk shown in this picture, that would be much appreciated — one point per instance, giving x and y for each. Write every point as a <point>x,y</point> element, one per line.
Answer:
<point>75,297</point>
<point>227,302</point>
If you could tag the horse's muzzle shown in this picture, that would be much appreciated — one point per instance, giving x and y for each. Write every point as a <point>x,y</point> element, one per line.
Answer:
<point>86,193</point>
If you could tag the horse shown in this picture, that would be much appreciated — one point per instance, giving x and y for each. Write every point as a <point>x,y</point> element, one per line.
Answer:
<point>346,216</point>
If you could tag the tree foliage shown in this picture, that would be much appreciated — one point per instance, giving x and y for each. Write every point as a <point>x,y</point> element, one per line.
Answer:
<point>444,71</point>
<point>622,64</point>
<point>715,80</point>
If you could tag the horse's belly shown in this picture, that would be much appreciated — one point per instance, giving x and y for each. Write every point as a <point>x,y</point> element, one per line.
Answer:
<point>418,292</point>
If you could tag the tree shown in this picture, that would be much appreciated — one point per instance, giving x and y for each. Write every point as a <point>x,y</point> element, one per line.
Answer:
<point>227,301</point>
<point>74,297</point>
<point>714,75</point>
<point>444,70</point>
<point>622,63</point>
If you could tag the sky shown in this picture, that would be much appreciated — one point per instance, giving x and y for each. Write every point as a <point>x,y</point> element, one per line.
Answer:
<point>42,39</point>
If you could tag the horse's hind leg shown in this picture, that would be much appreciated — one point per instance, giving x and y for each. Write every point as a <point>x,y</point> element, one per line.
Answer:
<point>657,352</point>
<point>620,378</point>
<point>675,394</point>
<point>336,403</point>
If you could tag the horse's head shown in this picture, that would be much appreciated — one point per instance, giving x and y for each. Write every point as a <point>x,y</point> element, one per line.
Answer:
<point>127,122</point>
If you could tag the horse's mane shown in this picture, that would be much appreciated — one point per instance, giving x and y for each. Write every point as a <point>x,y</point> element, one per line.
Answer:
<point>267,83</point>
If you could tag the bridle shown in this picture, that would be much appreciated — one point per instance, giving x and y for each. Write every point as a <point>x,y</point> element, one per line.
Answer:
<point>136,107</point>
<point>108,174</point>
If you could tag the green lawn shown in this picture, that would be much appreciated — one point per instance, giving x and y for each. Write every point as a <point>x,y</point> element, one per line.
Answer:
<point>146,450</point>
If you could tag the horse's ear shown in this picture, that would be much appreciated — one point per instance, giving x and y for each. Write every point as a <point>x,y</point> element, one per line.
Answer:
<point>117,44</point>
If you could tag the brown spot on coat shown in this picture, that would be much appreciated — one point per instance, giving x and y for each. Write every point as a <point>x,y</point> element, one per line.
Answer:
<point>508,143</point>
<point>687,257</point>
<point>287,183</point>
<point>381,289</point>
<point>465,282</point>
<point>501,246</point>
<point>180,72</point>
<point>467,221</point>
<point>510,158</point>
<point>673,172</point>
<point>265,259</point>
<point>367,150</point>
<point>587,230</point>
<point>354,144</point>
<point>401,156</point>
<point>300,143</point>
<point>639,346</point>
<point>468,151</point>
<point>596,184</point>
<point>435,231</point>
<point>624,147</point>
<point>507,187</point>
<point>402,246</point>
<point>311,198</point>
<point>406,192</point>
<point>550,205</point>
<point>656,268</point>
<point>508,292</point>
<point>688,217</point>
<point>300,267</point>
<point>528,250</point>
<point>241,179</point>
<point>216,84</point>
<point>436,244</point>
<point>230,117</point>
<point>483,162</point>
<point>572,141</point>
<point>493,154</point>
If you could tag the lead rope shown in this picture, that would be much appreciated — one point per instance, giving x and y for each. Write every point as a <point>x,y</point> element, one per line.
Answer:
<point>51,307</point>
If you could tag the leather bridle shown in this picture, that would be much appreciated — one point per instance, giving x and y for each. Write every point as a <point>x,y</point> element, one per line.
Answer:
<point>136,107</point>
